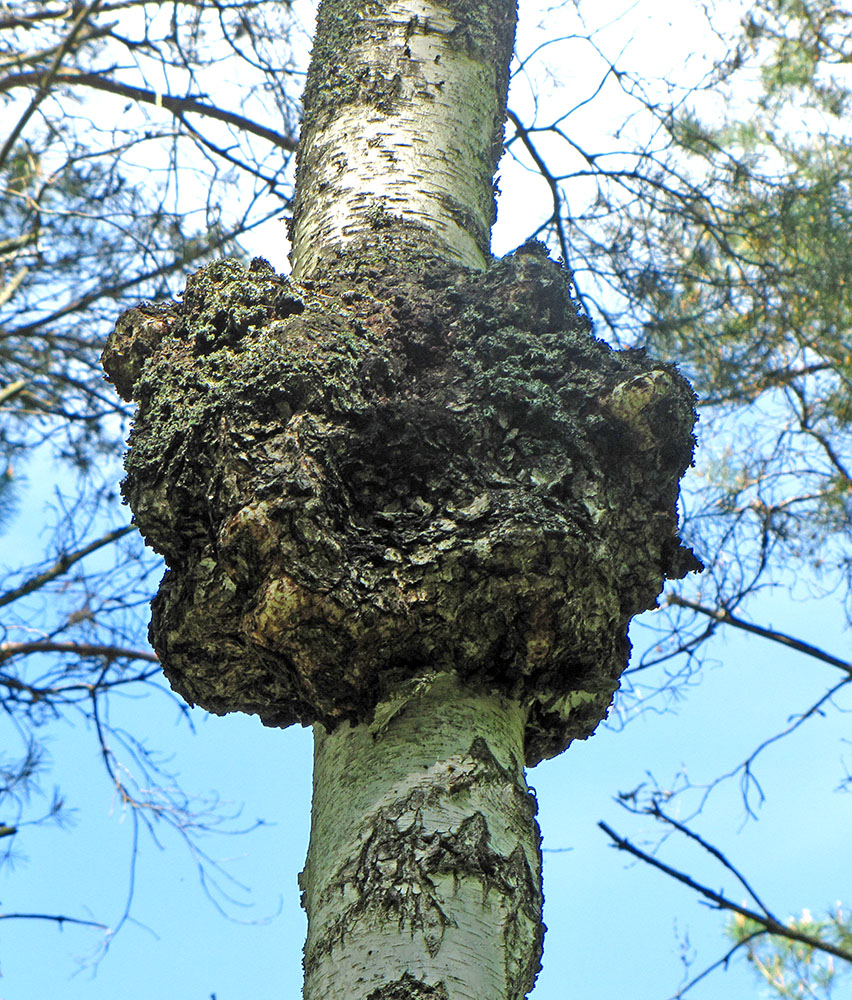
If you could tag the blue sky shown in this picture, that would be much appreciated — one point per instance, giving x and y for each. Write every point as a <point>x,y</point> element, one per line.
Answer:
<point>615,928</point>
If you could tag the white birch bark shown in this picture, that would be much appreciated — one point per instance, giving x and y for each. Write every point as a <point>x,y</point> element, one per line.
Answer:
<point>423,872</point>
<point>404,112</point>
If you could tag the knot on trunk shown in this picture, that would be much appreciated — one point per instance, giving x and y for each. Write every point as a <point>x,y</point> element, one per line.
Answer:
<point>393,470</point>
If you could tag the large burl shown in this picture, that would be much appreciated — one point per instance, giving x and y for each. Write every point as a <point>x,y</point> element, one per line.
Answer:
<point>403,468</point>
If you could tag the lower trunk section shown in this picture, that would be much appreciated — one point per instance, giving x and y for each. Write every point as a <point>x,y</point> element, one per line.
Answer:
<point>423,877</point>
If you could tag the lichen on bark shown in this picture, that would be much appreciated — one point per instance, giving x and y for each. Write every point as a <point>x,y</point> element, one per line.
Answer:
<point>401,467</point>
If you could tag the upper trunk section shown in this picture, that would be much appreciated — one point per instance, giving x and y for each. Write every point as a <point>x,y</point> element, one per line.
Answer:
<point>404,109</point>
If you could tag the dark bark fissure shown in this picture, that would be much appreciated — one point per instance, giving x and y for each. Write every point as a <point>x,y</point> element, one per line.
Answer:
<point>409,988</point>
<point>398,861</point>
<point>399,466</point>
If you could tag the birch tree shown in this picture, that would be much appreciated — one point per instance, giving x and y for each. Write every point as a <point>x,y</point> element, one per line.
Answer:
<point>405,497</point>
<point>760,214</point>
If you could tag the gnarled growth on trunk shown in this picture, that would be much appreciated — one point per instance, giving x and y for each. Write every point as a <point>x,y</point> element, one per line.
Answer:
<point>382,473</point>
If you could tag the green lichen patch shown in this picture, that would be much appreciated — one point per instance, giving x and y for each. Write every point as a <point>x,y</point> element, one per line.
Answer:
<point>334,79</point>
<point>403,466</point>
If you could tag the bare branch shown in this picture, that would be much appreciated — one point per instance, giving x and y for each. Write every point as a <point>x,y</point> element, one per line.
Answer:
<point>724,617</point>
<point>176,105</point>
<point>62,564</point>
<point>82,649</point>
<point>721,902</point>
<point>655,811</point>
<point>9,392</point>
<point>44,80</point>
<point>51,916</point>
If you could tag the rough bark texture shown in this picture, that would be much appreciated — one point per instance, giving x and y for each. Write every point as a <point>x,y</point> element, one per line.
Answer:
<point>423,874</point>
<point>404,113</point>
<point>400,467</point>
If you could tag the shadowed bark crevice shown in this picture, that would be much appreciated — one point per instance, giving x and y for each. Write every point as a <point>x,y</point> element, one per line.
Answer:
<point>409,988</point>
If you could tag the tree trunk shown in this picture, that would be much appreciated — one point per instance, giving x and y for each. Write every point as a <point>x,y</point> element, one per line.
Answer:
<point>407,498</point>
<point>404,112</point>
<point>423,876</point>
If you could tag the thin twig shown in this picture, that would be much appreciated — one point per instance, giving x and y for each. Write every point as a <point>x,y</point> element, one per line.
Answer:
<point>655,811</point>
<point>726,618</point>
<point>50,916</point>
<point>771,925</point>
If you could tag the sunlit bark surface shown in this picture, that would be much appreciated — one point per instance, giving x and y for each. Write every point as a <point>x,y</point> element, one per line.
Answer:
<point>404,111</point>
<point>423,873</point>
